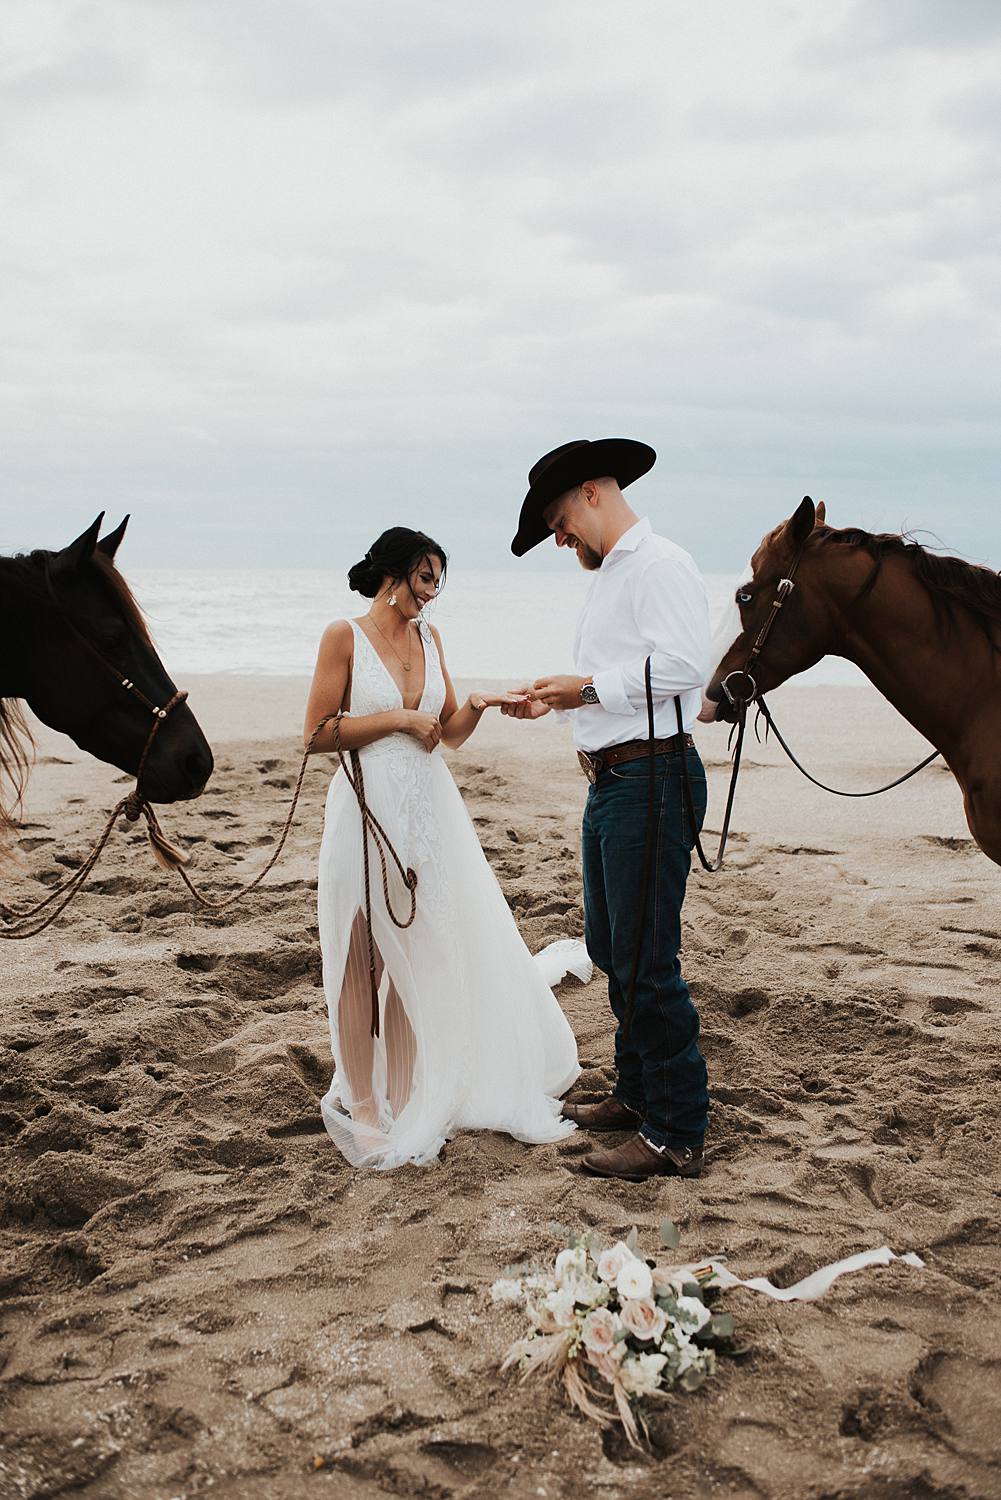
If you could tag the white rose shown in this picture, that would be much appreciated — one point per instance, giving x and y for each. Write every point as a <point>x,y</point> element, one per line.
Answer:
<point>634,1279</point>
<point>641,1373</point>
<point>559,1305</point>
<point>506,1290</point>
<point>586,1290</point>
<point>611,1261</point>
<point>570,1264</point>
<point>688,1357</point>
<point>643,1319</point>
<point>694,1314</point>
<point>667,1283</point>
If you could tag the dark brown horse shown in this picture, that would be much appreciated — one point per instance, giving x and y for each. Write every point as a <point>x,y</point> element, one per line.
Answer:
<point>76,649</point>
<point>925,629</point>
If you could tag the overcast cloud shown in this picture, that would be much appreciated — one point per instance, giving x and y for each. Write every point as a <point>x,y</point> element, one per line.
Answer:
<point>275,275</point>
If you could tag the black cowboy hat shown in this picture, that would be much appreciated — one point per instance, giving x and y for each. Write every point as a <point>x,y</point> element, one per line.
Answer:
<point>572,463</point>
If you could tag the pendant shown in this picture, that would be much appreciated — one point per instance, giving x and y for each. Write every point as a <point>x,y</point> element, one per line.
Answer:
<point>406,666</point>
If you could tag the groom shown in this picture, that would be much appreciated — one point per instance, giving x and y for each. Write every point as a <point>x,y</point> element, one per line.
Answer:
<point>647,599</point>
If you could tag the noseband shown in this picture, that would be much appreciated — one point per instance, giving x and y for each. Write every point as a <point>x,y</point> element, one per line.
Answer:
<point>742,699</point>
<point>136,798</point>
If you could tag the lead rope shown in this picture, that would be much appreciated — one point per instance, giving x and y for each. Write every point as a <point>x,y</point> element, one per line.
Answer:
<point>371,825</point>
<point>165,853</point>
<point>19,924</point>
<point>770,724</point>
<point>647,855</point>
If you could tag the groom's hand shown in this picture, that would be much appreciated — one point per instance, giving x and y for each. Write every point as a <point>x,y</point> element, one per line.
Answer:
<point>559,692</point>
<point>526,706</point>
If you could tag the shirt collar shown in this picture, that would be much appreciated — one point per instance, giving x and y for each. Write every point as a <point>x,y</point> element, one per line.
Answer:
<point>630,540</point>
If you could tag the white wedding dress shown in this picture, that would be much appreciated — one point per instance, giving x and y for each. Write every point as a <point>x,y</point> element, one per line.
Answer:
<point>471,1034</point>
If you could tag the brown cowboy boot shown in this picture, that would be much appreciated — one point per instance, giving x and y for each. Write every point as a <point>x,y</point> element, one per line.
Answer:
<point>636,1160</point>
<point>607,1114</point>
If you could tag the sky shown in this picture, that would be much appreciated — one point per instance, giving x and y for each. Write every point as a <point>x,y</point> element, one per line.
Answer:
<point>276,274</point>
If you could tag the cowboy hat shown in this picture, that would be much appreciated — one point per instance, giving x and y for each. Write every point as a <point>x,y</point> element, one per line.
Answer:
<point>569,465</point>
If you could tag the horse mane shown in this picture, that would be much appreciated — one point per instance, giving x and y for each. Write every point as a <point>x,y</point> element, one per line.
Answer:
<point>951,583</point>
<point>17,744</point>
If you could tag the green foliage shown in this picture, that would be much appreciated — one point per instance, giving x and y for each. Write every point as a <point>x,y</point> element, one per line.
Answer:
<point>670,1235</point>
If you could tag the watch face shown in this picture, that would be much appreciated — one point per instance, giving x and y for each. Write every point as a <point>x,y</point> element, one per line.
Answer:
<point>588,693</point>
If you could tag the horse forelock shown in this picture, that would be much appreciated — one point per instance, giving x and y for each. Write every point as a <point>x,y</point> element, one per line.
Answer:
<point>32,569</point>
<point>124,597</point>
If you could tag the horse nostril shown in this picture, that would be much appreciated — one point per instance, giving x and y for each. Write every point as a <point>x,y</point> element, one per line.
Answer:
<point>198,765</point>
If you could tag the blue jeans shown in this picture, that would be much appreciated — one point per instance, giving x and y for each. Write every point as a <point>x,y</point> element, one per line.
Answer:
<point>660,1071</point>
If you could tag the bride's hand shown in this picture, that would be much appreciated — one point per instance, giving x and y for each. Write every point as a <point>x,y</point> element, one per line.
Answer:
<point>423,727</point>
<point>479,701</point>
<point>523,705</point>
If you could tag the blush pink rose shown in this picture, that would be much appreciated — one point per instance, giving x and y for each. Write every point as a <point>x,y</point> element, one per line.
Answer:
<point>599,1330</point>
<point>643,1319</point>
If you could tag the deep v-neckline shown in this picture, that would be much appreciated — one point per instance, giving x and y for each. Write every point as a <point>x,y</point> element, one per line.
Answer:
<point>372,647</point>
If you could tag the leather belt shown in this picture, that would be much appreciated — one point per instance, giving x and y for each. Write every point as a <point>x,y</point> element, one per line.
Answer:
<point>616,755</point>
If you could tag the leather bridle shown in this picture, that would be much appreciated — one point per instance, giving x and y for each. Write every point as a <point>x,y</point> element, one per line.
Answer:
<point>136,798</point>
<point>740,702</point>
<point>783,590</point>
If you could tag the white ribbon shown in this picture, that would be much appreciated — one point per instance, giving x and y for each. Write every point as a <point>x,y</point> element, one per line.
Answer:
<point>818,1282</point>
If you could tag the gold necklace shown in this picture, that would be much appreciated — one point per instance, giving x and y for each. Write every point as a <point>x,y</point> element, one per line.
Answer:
<point>406,665</point>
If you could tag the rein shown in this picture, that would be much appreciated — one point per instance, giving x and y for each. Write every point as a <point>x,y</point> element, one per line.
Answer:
<point>25,924</point>
<point>770,724</point>
<point>740,699</point>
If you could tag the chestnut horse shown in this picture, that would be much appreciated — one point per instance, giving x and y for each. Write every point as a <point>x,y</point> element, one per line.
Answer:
<point>925,629</point>
<point>76,649</point>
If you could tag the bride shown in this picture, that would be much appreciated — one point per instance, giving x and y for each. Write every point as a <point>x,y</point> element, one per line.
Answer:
<point>470,1035</point>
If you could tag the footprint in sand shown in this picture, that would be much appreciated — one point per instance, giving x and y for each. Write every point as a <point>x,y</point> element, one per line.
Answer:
<point>746,1003</point>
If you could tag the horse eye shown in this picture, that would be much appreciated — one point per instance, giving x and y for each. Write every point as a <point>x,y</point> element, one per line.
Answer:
<point>744,596</point>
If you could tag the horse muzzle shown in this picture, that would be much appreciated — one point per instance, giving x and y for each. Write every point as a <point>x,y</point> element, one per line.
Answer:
<point>735,694</point>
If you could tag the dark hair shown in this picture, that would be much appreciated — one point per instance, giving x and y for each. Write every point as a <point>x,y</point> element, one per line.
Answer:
<point>394,555</point>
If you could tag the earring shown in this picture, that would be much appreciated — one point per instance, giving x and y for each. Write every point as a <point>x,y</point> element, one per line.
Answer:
<point>392,598</point>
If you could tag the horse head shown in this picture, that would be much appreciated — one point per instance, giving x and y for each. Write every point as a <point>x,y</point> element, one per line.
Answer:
<point>799,639</point>
<point>82,638</point>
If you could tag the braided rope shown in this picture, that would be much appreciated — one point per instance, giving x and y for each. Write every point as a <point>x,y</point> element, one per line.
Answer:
<point>371,825</point>
<point>134,806</point>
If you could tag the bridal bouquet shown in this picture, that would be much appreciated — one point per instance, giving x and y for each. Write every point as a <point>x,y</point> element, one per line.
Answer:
<point>614,1327</point>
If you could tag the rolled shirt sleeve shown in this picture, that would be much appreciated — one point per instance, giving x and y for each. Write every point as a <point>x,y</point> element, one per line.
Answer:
<point>671,610</point>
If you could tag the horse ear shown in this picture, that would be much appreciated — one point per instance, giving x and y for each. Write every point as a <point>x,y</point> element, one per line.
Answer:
<point>110,544</point>
<point>821,514</point>
<point>802,523</point>
<point>81,550</point>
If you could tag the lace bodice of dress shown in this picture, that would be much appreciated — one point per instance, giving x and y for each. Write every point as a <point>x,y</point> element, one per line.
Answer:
<point>373,690</point>
<point>401,766</point>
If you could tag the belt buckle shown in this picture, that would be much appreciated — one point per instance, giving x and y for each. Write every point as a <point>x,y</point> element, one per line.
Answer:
<point>588,766</point>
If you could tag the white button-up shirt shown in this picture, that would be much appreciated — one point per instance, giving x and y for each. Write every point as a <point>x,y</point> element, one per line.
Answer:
<point>647,599</point>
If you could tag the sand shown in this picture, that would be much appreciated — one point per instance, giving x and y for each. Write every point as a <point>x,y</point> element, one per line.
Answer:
<point>200,1295</point>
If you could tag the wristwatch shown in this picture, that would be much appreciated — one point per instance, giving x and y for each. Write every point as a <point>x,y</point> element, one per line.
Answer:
<point>588,693</point>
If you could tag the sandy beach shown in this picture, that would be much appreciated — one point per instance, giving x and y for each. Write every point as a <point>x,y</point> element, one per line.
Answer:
<point>200,1295</point>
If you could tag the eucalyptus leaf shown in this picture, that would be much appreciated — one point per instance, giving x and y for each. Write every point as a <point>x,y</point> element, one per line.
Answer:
<point>723,1326</point>
<point>670,1235</point>
<point>692,1379</point>
<point>632,1238</point>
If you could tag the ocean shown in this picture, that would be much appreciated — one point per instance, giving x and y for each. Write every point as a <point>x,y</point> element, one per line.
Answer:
<point>268,621</point>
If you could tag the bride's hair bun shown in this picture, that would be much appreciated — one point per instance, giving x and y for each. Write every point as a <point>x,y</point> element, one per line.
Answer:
<point>365,577</point>
<point>394,555</point>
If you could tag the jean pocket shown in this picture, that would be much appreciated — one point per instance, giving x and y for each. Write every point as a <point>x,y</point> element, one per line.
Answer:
<point>700,799</point>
